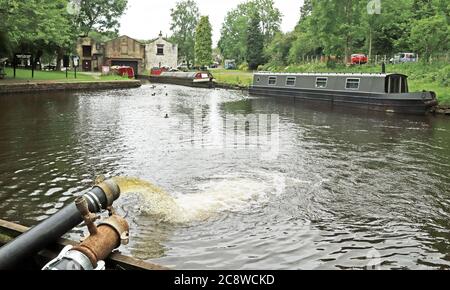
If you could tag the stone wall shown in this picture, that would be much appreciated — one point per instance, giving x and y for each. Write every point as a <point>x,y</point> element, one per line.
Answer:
<point>95,59</point>
<point>125,49</point>
<point>169,57</point>
<point>37,87</point>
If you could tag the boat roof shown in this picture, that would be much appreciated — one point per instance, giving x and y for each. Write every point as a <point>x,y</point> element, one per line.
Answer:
<point>380,75</point>
<point>181,74</point>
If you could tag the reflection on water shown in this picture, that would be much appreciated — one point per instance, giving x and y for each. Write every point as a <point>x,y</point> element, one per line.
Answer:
<point>345,189</point>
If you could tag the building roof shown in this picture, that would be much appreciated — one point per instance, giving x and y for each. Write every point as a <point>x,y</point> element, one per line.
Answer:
<point>126,37</point>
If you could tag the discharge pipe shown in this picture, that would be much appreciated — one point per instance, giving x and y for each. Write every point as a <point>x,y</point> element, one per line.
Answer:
<point>101,197</point>
<point>103,239</point>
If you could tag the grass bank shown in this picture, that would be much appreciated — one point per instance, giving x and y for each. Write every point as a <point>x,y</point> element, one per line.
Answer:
<point>430,77</point>
<point>23,75</point>
<point>233,77</point>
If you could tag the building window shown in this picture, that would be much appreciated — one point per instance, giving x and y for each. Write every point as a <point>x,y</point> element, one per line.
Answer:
<point>272,81</point>
<point>258,79</point>
<point>290,81</point>
<point>352,84</point>
<point>321,83</point>
<point>160,49</point>
<point>87,51</point>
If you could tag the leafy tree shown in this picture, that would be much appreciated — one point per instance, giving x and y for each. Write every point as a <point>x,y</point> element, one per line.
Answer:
<point>270,16</point>
<point>36,24</point>
<point>99,15</point>
<point>338,33</point>
<point>305,10</point>
<point>422,9</point>
<point>101,37</point>
<point>255,42</point>
<point>233,41</point>
<point>203,42</point>
<point>278,50</point>
<point>430,35</point>
<point>185,18</point>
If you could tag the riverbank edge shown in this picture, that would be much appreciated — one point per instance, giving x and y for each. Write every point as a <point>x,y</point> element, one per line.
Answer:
<point>31,87</point>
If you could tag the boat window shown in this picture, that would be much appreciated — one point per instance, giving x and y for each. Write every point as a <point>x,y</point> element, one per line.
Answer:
<point>321,83</point>
<point>272,81</point>
<point>290,81</point>
<point>352,84</point>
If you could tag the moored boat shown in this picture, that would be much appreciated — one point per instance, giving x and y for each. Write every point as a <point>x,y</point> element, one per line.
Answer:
<point>192,79</point>
<point>378,92</point>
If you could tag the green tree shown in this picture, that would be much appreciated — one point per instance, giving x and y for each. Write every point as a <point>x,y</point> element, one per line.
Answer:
<point>185,18</point>
<point>35,24</point>
<point>277,52</point>
<point>203,42</point>
<point>337,34</point>
<point>430,35</point>
<point>423,9</point>
<point>233,40</point>
<point>255,42</point>
<point>99,15</point>
<point>270,16</point>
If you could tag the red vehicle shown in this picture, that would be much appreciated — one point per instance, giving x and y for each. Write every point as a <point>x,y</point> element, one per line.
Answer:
<point>359,59</point>
<point>126,71</point>
<point>157,71</point>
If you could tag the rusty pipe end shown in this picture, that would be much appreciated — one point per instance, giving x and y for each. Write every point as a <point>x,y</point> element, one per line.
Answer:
<point>111,190</point>
<point>121,227</point>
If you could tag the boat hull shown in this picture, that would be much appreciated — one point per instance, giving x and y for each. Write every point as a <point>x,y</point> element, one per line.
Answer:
<point>408,103</point>
<point>181,82</point>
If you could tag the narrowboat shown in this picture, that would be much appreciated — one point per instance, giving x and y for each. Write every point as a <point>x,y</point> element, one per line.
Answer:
<point>192,79</point>
<point>378,92</point>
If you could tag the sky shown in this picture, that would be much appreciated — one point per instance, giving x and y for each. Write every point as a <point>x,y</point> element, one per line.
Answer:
<point>144,19</point>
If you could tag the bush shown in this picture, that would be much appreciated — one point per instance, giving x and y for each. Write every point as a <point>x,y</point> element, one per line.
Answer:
<point>261,67</point>
<point>243,66</point>
<point>443,76</point>
<point>331,64</point>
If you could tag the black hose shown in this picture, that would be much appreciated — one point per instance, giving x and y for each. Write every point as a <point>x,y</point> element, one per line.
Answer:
<point>47,232</point>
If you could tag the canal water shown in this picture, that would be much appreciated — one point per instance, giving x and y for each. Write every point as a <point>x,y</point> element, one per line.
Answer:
<point>216,179</point>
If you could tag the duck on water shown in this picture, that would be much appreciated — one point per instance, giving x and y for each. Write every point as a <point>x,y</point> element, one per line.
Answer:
<point>379,92</point>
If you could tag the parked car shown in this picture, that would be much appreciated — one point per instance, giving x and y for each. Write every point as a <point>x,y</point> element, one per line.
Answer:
<point>230,64</point>
<point>214,65</point>
<point>50,67</point>
<point>359,59</point>
<point>404,57</point>
<point>183,67</point>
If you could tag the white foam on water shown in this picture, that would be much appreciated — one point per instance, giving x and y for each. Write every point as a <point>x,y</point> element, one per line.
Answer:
<point>218,194</point>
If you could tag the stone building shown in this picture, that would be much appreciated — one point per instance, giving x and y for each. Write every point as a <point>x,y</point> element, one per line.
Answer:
<point>91,54</point>
<point>161,53</point>
<point>125,51</point>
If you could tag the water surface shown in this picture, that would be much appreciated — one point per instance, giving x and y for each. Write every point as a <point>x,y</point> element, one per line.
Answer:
<point>344,189</point>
